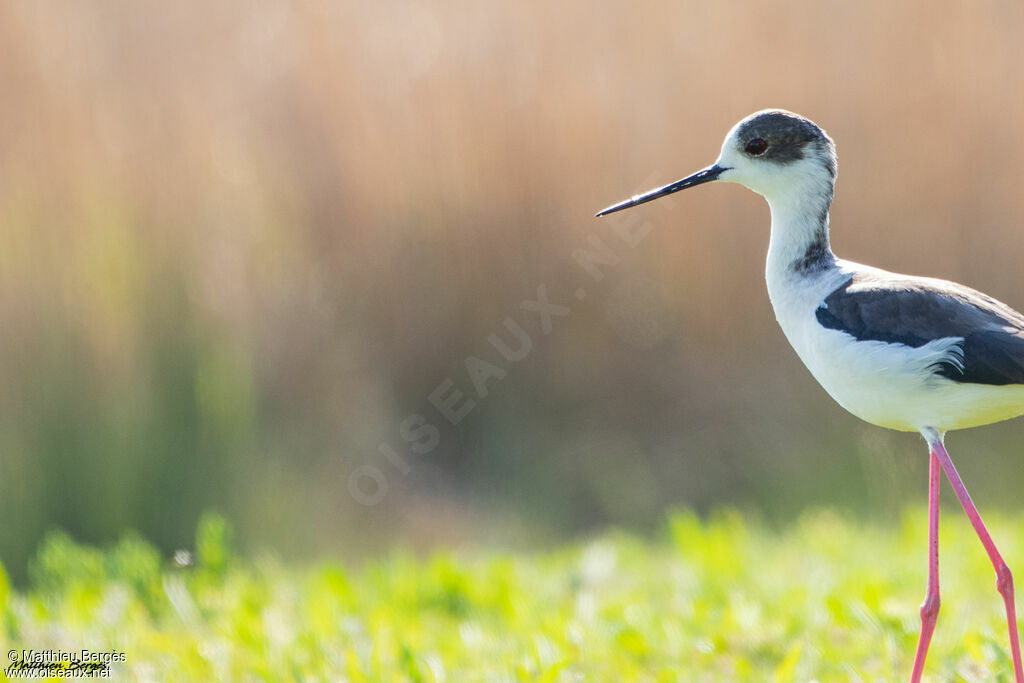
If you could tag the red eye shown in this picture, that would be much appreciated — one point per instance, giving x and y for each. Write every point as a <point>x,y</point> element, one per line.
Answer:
<point>756,147</point>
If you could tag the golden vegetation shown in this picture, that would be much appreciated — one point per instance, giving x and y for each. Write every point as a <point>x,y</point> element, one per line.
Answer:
<point>242,242</point>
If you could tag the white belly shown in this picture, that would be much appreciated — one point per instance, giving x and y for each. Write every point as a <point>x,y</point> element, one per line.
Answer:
<point>892,385</point>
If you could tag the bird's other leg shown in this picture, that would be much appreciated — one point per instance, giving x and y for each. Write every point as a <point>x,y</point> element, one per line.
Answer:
<point>930,607</point>
<point>1004,580</point>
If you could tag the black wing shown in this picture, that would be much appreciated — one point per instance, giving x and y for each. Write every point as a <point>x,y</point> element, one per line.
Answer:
<point>899,309</point>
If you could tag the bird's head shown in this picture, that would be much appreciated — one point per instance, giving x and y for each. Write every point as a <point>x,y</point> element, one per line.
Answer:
<point>775,150</point>
<point>775,153</point>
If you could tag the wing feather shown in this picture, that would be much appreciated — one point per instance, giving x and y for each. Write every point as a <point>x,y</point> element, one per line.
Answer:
<point>914,311</point>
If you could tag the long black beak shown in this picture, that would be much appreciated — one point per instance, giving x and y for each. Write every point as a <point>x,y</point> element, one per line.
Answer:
<point>706,176</point>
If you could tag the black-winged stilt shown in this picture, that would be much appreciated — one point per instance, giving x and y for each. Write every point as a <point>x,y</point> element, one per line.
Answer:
<point>903,352</point>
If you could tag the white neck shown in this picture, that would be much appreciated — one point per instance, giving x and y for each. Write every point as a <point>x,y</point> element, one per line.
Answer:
<point>799,245</point>
<point>800,261</point>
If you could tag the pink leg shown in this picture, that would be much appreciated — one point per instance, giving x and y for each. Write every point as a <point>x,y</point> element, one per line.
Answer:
<point>930,607</point>
<point>1004,580</point>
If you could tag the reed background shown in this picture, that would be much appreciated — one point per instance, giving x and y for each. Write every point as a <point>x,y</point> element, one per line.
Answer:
<point>243,242</point>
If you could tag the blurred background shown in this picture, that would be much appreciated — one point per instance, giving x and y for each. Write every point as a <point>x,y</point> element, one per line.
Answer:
<point>244,244</point>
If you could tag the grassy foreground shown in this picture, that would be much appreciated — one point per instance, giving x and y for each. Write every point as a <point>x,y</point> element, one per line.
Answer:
<point>724,599</point>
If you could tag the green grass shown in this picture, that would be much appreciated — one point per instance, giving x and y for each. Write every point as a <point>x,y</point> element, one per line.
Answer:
<point>723,599</point>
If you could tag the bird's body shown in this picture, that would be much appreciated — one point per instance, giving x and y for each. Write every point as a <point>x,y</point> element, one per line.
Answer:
<point>882,380</point>
<point>885,374</point>
<point>902,352</point>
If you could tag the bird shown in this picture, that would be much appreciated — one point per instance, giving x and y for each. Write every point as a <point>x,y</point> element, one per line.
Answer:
<point>915,354</point>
